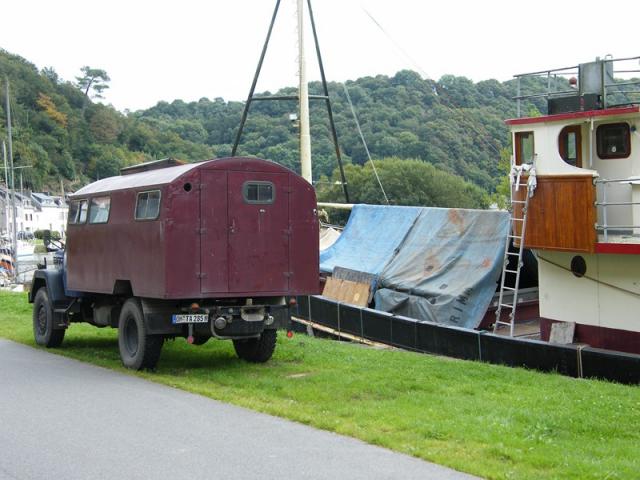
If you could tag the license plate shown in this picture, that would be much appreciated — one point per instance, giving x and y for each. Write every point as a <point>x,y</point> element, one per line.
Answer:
<point>190,318</point>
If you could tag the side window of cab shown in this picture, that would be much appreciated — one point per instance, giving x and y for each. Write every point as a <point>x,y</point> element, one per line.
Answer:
<point>77,212</point>
<point>147,205</point>
<point>99,209</point>
<point>524,147</point>
<point>570,145</point>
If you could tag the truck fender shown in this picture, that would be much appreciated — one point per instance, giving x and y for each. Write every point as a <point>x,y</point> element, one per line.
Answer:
<point>52,281</point>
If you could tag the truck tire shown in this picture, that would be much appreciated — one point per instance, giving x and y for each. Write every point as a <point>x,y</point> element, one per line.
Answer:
<point>257,350</point>
<point>44,332</point>
<point>138,350</point>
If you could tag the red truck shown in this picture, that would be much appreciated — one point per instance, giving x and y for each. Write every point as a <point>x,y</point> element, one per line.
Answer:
<point>195,250</point>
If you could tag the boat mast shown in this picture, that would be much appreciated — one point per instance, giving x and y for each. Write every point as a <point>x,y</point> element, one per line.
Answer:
<point>302,98</point>
<point>14,238</point>
<point>303,95</point>
<point>6,183</point>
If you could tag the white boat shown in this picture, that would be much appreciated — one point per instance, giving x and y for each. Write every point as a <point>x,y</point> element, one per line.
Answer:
<point>583,214</point>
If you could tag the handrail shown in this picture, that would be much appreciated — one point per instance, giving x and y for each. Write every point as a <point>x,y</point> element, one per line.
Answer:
<point>605,227</point>
<point>606,88</point>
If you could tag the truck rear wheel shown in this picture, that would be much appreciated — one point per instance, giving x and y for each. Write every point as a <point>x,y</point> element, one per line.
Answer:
<point>257,350</point>
<point>138,349</point>
<point>44,332</point>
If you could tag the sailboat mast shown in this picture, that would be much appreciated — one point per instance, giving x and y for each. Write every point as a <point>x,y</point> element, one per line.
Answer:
<point>303,96</point>
<point>6,183</point>
<point>14,238</point>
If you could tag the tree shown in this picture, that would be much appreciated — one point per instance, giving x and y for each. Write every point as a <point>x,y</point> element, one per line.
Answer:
<point>93,79</point>
<point>406,182</point>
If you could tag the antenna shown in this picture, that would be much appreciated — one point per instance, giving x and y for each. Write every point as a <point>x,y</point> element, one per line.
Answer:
<point>302,92</point>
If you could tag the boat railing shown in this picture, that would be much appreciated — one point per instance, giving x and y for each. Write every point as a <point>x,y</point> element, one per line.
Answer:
<point>612,232</point>
<point>559,83</point>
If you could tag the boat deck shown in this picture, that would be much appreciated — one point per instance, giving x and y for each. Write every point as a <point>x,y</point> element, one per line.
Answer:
<point>627,239</point>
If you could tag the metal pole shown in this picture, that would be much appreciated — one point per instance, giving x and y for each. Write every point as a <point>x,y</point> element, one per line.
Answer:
<point>518,102</point>
<point>14,237</point>
<point>602,85</point>
<point>303,92</point>
<point>604,213</point>
<point>332,124</point>
<point>245,111</point>
<point>6,183</point>
<point>6,171</point>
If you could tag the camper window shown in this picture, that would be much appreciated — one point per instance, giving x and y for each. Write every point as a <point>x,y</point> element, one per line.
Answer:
<point>524,147</point>
<point>77,212</point>
<point>148,205</point>
<point>570,145</point>
<point>99,210</point>
<point>258,192</point>
<point>613,140</point>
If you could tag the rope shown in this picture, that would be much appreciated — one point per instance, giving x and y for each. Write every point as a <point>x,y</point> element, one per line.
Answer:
<point>424,74</point>
<point>397,45</point>
<point>615,287</point>
<point>355,117</point>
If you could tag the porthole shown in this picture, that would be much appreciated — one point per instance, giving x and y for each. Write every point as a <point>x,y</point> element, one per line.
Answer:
<point>578,266</point>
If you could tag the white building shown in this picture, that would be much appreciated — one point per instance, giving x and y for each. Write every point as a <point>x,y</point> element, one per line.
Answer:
<point>37,211</point>
<point>51,212</point>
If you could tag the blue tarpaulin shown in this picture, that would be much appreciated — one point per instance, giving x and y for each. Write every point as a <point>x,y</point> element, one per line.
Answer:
<point>370,238</point>
<point>433,264</point>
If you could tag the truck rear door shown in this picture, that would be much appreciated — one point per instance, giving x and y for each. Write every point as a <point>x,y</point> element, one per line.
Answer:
<point>258,218</point>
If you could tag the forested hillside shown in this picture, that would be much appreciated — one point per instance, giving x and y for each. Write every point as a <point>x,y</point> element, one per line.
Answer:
<point>64,134</point>
<point>454,124</point>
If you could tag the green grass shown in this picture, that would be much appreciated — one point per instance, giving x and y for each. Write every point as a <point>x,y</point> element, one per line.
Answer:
<point>488,420</point>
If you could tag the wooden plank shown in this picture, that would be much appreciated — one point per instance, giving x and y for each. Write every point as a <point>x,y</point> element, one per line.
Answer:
<point>332,288</point>
<point>346,291</point>
<point>339,334</point>
<point>357,276</point>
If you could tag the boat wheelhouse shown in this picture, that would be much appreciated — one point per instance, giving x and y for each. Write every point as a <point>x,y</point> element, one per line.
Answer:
<point>582,163</point>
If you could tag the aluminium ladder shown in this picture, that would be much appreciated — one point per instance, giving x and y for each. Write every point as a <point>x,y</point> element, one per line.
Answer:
<point>517,228</point>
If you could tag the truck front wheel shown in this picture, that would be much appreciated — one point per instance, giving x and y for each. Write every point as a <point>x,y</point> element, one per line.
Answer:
<point>138,349</point>
<point>43,331</point>
<point>257,350</point>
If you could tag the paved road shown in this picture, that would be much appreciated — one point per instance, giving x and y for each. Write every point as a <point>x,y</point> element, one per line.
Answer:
<point>63,419</point>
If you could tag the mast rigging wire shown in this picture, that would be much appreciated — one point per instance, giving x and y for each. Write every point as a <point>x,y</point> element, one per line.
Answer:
<point>424,74</point>
<point>355,117</point>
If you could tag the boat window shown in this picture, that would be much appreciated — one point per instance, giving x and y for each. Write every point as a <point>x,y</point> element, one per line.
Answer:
<point>77,212</point>
<point>148,205</point>
<point>570,145</point>
<point>258,192</point>
<point>99,209</point>
<point>524,147</point>
<point>613,140</point>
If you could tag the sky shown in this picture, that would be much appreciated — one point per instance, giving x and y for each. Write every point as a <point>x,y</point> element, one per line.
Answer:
<point>189,49</point>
